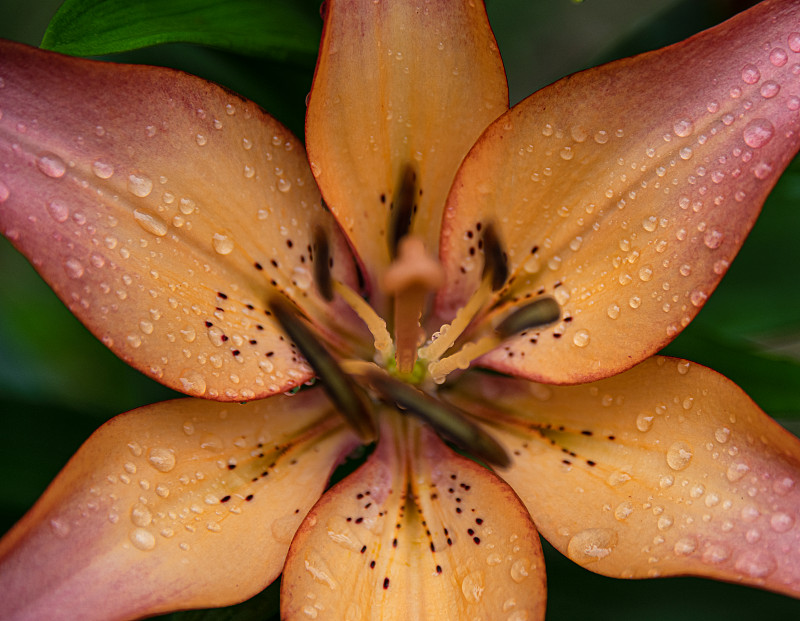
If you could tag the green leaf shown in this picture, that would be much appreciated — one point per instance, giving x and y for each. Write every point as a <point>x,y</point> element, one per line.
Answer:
<point>272,28</point>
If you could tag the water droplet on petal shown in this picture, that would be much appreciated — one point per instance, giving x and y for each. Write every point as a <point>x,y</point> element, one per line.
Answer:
<point>581,338</point>
<point>683,128</point>
<point>769,89</point>
<point>161,459</point>
<point>222,243</point>
<point>74,268</point>
<point>679,455</point>
<point>142,539</point>
<point>284,185</point>
<point>58,210</point>
<point>684,546</point>
<point>102,170</point>
<point>193,383</point>
<point>644,422</point>
<point>140,185</point>
<point>778,57</point>
<point>750,74</point>
<point>472,587</point>
<point>51,165</point>
<point>4,192</point>
<point>150,223</point>
<point>758,132</point>
<point>756,563</point>
<point>713,239</point>
<point>591,545</point>
<point>781,522</point>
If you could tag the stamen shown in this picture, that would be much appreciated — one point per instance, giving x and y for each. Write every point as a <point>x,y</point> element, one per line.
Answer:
<point>351,402</point>
<point>446,419</point>
<point>322,268</point>
<point>374,323</point>
<point>410,278</point>
<point>402,208</point>
<point>449,333</point>
<point>536,314</point>
<point>495,261</point>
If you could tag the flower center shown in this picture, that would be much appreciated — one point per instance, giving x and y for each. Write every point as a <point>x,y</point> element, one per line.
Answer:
<point>405,371</point>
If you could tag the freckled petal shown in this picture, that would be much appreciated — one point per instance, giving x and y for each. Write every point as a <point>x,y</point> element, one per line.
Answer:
<point>397,86</point>
<point>182,504</point>
<point>666,469</point>
<point>155,204</point>
<point>626,190</point>
<point>417,533</point>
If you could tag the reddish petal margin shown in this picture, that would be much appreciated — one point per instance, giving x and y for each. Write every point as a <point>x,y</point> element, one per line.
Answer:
<point>666,469</point>
<point>399,87</point>
<point>417,533</point>
<point>182,504</point>
<point>164,211</point>
<point>626,190</point>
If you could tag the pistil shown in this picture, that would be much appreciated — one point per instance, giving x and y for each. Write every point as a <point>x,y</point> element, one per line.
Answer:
<point>410,279</point>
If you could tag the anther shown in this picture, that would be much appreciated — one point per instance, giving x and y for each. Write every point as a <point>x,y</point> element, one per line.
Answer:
<point>536,314</point>
<point>447,420</point>
<point>495,262</point>
<point>322,269</point>
<point>350,401</point>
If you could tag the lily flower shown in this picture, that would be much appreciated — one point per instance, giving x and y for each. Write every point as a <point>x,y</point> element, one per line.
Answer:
<point>560,243</point>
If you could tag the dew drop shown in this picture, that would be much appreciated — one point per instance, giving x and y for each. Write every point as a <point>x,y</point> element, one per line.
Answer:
<point>769,89</point>
<point>698,298</point>
<point>623,510</point>
<point>161,459</point>
<point>756,563</point>
<point>713,239</point>
<point>60,528</point>
<point>520,569</point>
<point>722,435</point>
<point>591,545</point>
<point>73,268</point>
<point>644,422</point>
<point>284,185</point>
<point>102,169</point>
<point>4,192</point>
<point>472,587</point>
<point>684,546</point>
<point>51,165</point>
<point>140,185</point>
<point>781,522</point>
<point>141,515</point>
<point>762,170</point>
<point>715,554</point>
<point>778,57</point>
<point>142,539</point>
<point>750,74</point>
<point>222,243</point>
<point>683,128</point>
<point>613,311</point>
<point>736,471</point>
<point>150,223</point>
<point>679,455</point>
<point>601,137</point>
<point>758,133</point>
<point>581,338</point>
<point>193,383</point>
<point>58,210</point>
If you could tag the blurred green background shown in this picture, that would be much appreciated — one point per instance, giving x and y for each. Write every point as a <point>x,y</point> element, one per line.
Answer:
<point>57,383</point>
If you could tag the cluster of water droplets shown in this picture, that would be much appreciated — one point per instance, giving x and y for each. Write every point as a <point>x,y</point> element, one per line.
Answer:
<point>695,177</point>
<point>715,504</point>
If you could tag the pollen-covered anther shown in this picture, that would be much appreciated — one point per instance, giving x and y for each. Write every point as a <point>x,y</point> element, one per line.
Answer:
<point>410,279</point>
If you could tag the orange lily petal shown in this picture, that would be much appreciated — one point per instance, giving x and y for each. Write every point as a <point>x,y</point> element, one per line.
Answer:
<point>417,533</point>
<point>625,191</point>
<point>666,469</point>
<point>161,209</point>
<point>182,504</point>
<point>398,88</point>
